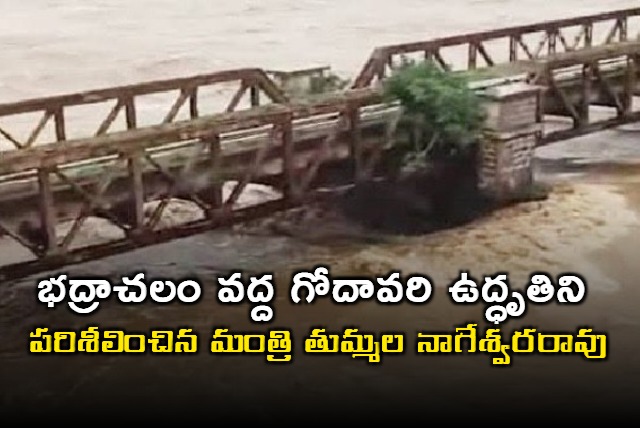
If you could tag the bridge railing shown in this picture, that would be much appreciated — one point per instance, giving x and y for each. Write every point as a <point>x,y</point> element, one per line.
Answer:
<point>604,76</point>
<point>508,44</point>
<point>124,102</point>
<point>273,141</point>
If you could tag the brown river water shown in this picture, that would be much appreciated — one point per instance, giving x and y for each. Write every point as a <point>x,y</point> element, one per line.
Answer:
<point>589,225</point>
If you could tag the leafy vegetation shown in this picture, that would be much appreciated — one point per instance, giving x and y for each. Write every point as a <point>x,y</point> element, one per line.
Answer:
<point>442,112</point>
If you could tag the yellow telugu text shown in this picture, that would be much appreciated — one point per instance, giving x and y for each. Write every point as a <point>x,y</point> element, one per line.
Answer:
<point>358,345</point>
<point>276,344</point>
<point>94,340</point>
<point>529,340</point>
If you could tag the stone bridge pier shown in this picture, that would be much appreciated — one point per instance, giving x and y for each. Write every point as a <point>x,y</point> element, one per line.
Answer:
<point>513,129</point>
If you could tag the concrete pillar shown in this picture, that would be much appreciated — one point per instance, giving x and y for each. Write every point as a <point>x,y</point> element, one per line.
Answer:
<point>512,131</point>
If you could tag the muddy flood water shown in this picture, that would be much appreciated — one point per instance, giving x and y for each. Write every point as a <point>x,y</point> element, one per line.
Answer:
<point>590,225</point>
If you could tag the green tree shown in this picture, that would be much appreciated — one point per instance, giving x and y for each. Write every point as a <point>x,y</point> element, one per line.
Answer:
<point>443,113</point>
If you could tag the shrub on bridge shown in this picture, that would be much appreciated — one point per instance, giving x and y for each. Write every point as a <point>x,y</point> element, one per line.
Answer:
<point>444,114</point>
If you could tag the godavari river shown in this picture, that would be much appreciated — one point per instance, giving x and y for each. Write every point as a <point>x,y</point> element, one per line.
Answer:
<point>50,47</point>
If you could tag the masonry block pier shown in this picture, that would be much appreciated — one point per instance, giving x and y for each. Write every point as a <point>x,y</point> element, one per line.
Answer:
<point>261,133</point>
<point>513,129</point>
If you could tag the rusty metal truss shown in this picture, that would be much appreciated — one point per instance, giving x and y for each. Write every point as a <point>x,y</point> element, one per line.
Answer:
<point>526,42</point>
<point>575,82</point>
<point>43,186</point>
<point>253,82</point>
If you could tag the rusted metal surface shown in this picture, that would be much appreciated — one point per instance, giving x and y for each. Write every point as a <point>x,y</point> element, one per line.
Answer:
<point>58,260</point>
<point>114,174</point>
<point>601,76</point>
<point>124,99</point>
<point>287,142</point>
<point>576,81</point>
<point>549,39</point>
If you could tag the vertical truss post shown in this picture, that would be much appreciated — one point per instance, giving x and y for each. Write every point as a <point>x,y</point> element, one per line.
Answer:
<point>136,214</point>
<point>47,213</point>
<point>622,29</point>
<point>58,117</point>
<point>552,40</point>
<point>193,103</point>
<point>355,140</point>
<point>214,193</point>
<point>254,94</point>
<point>630,83</point>
<point>130,113</point>
<point>588,35</point>
<point>291,189</point>
<point>513,49</point>
<point>473,56</point>
<point>585,99</point>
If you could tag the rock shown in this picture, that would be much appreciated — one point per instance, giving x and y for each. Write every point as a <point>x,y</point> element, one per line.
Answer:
<point>97,230</point>
<point>180,211</point>
<point>176,212</point>
<point>94,230</point>
<point>252,194</point>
